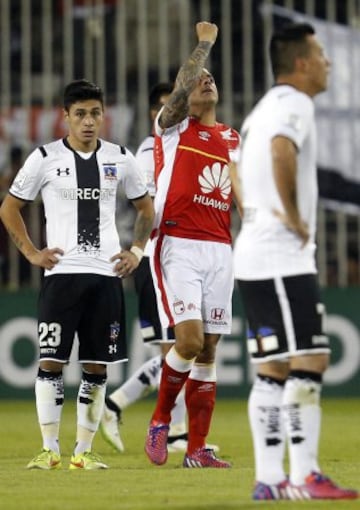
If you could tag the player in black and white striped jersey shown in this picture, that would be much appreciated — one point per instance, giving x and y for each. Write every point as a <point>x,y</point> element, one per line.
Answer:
<point>275,266</point>
<point>78,177</point>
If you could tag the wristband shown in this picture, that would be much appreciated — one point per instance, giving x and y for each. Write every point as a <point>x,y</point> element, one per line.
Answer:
<point>138,252</point>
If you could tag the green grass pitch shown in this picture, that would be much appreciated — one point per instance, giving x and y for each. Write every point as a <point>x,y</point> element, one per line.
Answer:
<point>133,483</point>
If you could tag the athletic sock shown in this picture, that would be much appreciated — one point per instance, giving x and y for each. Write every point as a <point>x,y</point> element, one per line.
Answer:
<point>90,405</point>
<point>268,433</point>
<point>140,383</point>
<point>175,371</point>
<point>302,416</point>
<point>49,395</point>
<point>200,394</point>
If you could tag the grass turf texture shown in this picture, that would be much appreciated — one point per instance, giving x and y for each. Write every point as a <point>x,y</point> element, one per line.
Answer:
<point>133,483</point>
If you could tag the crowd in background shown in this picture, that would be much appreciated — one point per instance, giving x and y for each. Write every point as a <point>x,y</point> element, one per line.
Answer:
<point>94,21</point>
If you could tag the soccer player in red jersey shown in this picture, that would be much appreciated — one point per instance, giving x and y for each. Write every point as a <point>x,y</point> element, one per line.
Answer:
<point>192,260</point>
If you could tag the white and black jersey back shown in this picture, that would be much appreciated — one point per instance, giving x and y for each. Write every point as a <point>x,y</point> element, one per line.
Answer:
<point>265,247</point>
<point>79,195</point>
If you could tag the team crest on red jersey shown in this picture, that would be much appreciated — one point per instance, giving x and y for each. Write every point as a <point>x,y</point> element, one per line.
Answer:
<point>232,138</point>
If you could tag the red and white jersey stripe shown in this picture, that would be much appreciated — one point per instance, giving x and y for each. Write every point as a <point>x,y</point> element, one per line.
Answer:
<point>193,190</point>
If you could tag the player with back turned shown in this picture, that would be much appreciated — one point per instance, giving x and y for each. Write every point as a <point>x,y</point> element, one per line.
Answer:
<point>274,258</point>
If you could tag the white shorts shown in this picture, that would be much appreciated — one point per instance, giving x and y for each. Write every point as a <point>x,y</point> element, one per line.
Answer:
<point>193,280</point>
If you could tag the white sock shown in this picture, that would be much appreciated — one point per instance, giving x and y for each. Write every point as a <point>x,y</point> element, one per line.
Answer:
<point>141,383</point>
<point>264,410</point>
<point>90,406</point>
<point>49,395</point>
<point>302,416</point>
<point>177,362</point>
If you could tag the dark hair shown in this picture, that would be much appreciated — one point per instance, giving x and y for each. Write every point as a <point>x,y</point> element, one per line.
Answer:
<point>287,44</point>
<point>81,90</point>
<point>160,89</point>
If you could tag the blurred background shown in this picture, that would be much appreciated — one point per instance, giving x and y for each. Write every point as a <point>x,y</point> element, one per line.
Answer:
<point>126,46</point>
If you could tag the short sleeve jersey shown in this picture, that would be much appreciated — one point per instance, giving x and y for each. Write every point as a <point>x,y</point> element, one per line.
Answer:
<point>193,197</point>
<point>264,247</point>
<point>79,197</point>
<point>145,159</point>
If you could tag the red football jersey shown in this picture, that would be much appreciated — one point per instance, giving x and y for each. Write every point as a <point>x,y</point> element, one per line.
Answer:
<point>193,196</point>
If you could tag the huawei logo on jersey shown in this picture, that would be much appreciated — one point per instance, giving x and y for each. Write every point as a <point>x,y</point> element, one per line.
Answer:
<point>216,177</point>
<point>213,179</point>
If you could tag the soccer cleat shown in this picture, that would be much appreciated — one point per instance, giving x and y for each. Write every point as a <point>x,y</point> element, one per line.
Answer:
<point>47,459</point>
<point>156,443</point>
<point>318,486</point>
<point>278,491</point>
<point>87,460</point>
<point>109,428</point>
<point>204,458</point>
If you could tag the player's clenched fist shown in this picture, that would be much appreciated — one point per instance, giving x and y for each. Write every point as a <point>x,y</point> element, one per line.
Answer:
<point>206,31</point>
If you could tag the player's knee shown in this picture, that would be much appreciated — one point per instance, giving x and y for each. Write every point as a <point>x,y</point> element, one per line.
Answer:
<point>190,347</point>
<point>51,366</point>
<point>190,339</point>
<point>95,368</point>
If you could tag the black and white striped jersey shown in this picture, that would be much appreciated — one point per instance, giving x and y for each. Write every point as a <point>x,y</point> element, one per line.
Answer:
<point>79,196</point>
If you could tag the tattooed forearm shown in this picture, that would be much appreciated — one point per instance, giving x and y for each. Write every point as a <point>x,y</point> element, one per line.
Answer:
<point>191,71</point>
<point>176,108</point>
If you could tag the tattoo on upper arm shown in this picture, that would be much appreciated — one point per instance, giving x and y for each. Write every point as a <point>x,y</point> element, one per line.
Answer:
<point>177,107</point>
